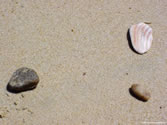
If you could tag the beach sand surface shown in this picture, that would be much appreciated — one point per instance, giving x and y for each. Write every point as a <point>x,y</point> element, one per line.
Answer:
<point>80,50</point>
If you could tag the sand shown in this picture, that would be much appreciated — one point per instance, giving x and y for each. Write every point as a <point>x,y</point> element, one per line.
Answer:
<point>79,49</point>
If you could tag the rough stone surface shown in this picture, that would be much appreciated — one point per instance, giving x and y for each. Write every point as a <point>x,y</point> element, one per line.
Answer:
<point>140,92</point>
<point>23,79</point>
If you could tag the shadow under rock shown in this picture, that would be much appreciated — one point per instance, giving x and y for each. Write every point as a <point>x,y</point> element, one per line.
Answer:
<point>9,89</point>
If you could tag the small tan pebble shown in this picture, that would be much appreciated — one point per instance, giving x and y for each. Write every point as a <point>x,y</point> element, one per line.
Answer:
<point>140,92</point>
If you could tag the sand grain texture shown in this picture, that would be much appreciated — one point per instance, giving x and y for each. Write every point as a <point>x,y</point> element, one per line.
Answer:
<point>64,39</point>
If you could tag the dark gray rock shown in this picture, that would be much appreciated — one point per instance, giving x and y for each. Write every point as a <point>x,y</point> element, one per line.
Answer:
<point>23,79</point>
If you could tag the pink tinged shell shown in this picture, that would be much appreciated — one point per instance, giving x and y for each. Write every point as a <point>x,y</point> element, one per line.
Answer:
<point>141,37</point>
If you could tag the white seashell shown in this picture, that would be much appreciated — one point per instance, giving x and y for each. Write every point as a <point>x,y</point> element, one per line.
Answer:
<point>141,37</point>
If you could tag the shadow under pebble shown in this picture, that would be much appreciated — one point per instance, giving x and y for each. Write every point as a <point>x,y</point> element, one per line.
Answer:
<point>132,94</point>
